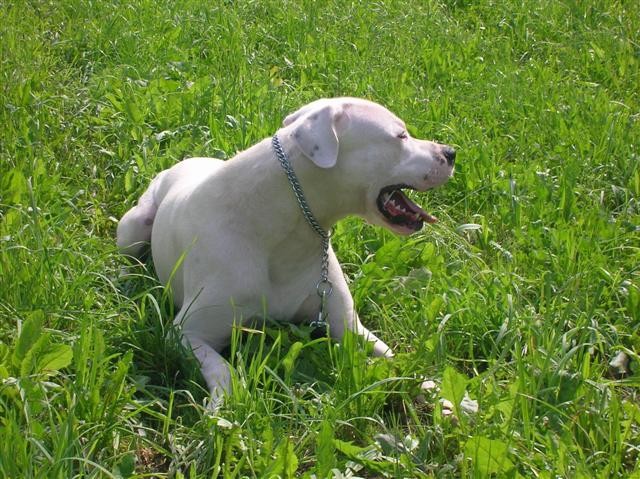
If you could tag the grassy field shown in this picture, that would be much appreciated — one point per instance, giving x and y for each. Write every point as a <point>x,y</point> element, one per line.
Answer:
<point>518,298</point>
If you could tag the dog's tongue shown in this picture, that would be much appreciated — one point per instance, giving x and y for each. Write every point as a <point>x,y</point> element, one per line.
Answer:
<point>398,204</point>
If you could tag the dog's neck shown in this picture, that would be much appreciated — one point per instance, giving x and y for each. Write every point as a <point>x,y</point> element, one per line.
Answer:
<point>327,192</point>
<point>265,179</point>
<point>298,192</point>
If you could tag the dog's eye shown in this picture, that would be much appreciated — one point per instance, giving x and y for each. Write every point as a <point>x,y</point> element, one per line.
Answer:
<point>403,136</point>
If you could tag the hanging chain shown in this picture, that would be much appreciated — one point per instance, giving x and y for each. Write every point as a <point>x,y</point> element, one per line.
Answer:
<point>324,288</point>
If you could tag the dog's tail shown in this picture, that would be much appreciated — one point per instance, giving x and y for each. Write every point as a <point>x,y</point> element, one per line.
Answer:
<point>134,228</point>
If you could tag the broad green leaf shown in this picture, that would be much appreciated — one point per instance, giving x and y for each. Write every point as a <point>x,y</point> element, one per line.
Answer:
<point>128,181</point>
<point>117,380</point>
<point>428,252</point>
<point>17,186</point>
<point>29,364</point>
<point>125,467</point>
<point>285,463</point>
<point>289,360</point>
<point>434,308</point>
<point>29,334</point>
<point>489,456</point>
<point>362,455</point>
<point>348,449</point>
<point>4,354</point>
<point>325,451</point>
<point>133,111</point>
<point>58,356</point>
<point>454,385</point>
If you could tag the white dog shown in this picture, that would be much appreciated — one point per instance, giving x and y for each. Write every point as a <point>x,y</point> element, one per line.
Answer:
<point>230,237</point>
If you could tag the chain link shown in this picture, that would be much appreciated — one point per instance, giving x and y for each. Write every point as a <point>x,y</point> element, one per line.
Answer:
<point>324,288</point>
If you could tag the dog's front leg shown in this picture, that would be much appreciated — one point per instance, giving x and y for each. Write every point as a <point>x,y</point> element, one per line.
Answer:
<point>341,313</point>
<point>380,348</point>
<point>215,369</point>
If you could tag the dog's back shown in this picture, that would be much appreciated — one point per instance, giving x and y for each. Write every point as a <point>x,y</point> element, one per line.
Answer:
<point>135,227</point>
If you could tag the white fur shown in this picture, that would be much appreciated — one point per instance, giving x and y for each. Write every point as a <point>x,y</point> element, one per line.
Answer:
<point>235,236</point>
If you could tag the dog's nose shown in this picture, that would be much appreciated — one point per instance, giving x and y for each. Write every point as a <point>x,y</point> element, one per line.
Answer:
<point>449,155</point>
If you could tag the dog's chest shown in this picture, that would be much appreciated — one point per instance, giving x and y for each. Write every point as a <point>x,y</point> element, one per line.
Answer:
<point>292,281</point>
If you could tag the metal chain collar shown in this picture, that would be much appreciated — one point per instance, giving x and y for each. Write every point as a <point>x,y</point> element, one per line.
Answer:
<point>324,288</point>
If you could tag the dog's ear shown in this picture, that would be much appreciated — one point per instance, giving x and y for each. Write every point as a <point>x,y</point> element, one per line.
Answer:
<point>294,116</point>
<point>314,132</point>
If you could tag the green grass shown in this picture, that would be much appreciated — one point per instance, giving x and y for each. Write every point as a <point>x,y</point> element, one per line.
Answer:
<point>519,297</point>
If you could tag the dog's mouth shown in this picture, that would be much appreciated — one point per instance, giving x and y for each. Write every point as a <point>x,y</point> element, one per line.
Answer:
<point>400,212</point>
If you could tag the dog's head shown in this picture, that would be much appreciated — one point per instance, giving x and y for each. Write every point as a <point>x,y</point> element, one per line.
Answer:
<point>371,150</point>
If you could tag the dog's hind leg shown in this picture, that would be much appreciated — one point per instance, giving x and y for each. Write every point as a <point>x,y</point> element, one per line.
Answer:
<point>215,369</point>
<point>134,228</point>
